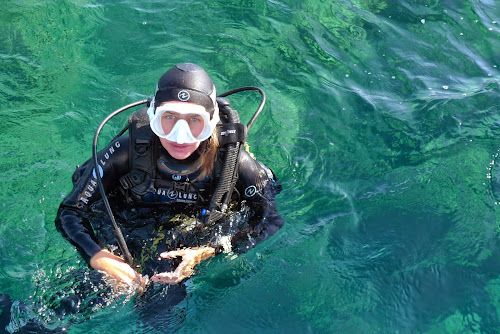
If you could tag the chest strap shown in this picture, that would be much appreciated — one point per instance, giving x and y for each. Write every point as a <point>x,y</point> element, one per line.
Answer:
<point>142,146</point>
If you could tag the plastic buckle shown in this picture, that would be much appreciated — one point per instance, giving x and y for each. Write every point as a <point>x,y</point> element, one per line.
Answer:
<point>180,186</point>
<point>141,147</point>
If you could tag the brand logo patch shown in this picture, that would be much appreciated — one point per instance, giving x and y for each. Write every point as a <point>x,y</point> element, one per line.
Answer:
<point>183,95</point>
<point>172,194</point>
<point>101,172</point>
<point>176,177</point>
<point>250,191</point>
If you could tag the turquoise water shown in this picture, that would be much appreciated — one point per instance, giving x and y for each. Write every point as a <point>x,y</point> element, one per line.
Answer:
<point>382,123</point>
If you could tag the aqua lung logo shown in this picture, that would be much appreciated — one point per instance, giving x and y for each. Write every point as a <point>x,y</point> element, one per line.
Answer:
<point>89,190</point>
<point>250,191</point>
<point>178,196</point>
<point>183,95</point>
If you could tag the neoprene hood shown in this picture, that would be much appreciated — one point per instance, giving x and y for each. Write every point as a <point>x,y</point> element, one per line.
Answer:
<point>187,82</point>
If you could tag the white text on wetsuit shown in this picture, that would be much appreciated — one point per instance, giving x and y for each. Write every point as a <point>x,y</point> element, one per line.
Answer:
<point>177,196</point>
<point>92,184</point>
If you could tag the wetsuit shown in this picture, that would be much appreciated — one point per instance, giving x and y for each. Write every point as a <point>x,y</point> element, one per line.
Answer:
<point>82,211</point>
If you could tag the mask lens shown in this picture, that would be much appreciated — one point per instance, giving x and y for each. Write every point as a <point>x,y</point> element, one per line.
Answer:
<point>195,122</point>
<point>182,122</point>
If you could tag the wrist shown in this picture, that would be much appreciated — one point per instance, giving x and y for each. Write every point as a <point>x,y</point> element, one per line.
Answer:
<point>100,259</point>
<point>207,252</point>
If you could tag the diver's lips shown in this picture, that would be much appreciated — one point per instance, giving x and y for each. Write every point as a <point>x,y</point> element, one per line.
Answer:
<point>180,147</point>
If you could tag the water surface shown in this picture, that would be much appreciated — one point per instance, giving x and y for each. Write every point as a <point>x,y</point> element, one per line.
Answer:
<point>382,123</point>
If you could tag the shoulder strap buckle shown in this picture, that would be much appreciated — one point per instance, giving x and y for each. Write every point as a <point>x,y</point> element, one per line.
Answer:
<point>142,146</point>
<point>181,186</point>
<point>126,182</point>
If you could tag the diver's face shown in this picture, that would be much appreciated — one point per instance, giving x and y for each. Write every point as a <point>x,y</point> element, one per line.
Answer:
<point>179,151</point>
<point>181,124</point>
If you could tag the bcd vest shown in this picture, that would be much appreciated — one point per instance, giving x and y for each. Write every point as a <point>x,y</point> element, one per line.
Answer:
<point>154,176</point>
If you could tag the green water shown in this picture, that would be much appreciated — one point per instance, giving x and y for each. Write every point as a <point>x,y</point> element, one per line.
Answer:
<point>382,123</point>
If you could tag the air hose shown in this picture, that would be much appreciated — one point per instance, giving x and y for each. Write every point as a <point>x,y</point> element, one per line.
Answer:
<point>118,233</point>
<point>225,186</point>
<point>229,174</point>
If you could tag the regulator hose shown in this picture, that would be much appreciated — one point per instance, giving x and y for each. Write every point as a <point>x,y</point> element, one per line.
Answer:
<point>261,105</point>
<point>118,232</point>
<point>224,189</point>
<point>229,174</point>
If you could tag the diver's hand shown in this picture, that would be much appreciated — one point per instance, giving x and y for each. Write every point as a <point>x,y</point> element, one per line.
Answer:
<point>190,258</point>
<point>117,269</point>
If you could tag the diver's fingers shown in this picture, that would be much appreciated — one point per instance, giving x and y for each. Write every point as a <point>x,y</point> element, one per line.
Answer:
<point>172,254</point>
<point>184,269</point>
<point>168,278</point>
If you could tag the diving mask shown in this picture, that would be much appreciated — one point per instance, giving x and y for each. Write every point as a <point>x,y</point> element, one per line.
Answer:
<point>183,122</point>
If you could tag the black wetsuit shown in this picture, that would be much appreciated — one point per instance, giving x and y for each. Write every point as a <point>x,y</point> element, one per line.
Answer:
<point>82,211</point>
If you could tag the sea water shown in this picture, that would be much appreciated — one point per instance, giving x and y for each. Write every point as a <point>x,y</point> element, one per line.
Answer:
<point>382,123</point>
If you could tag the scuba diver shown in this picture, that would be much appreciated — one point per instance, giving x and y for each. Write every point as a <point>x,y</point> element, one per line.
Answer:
<point>182,175</point>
